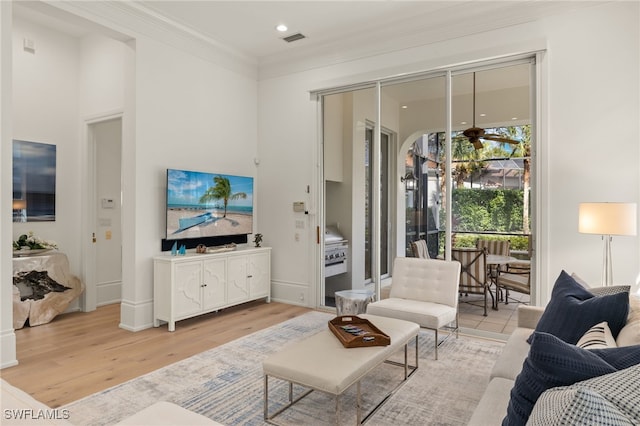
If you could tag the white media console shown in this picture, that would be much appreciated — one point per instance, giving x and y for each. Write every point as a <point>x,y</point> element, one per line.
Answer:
<point>193,284</point>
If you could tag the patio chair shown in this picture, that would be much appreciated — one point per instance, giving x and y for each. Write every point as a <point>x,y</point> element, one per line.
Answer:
<point>473,273</point>
<point>424,291</point>
<point>419,248</point>
<point>499,247</point>
<point>517,278</point>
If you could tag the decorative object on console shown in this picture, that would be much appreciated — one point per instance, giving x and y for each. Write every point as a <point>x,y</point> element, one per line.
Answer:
<point>30,245</point>
<point>201,248</point>
<point>183,250</point>
<point>257,239</point>
<point>46,268</point>
<point>221,249</point>
<point>31,242</point>
<point>36,284</point>
<point>174,249</point>
<point>607,219</point>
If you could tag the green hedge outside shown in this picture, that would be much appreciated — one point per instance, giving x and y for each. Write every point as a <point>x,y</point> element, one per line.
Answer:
<point>487,210</point>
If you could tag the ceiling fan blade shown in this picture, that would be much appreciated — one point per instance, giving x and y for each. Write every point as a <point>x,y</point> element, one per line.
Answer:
<point>476,143</point>
<point>498,138</point>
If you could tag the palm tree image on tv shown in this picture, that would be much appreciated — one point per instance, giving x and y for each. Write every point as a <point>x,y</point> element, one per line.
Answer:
<point>206,204</point>
<point>221,191</point>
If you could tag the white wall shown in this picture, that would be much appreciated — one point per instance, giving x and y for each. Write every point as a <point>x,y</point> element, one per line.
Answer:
<point>103,64</point>
<point>190,114</point>
<point>45,110</point>
<point>7,334</point>
<point>589,151</point>
<point>102,74</point>
<point>64,82</point>
<point>287,150</point>
<point>593,133</point>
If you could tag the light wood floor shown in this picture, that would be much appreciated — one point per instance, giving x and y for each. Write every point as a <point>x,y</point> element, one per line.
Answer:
<point>81,353</point>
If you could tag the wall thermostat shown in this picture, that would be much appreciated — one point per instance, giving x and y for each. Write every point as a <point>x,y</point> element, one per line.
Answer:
<point>108,203</point>
<point>298,206</point>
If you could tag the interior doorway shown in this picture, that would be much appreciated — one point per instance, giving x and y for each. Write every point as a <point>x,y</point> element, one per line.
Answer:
<point>103,260</point>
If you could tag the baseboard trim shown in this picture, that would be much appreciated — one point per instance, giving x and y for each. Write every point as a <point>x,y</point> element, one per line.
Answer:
<point>292,293</point>
<point>136,316</point>
<point>8,345</point>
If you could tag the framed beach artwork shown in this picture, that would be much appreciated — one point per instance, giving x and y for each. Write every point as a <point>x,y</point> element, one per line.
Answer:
<point>34,182</point>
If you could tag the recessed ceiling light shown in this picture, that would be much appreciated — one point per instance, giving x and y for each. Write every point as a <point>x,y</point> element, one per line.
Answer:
<point>483,115</point>
<point>463,122</point>
<point>404,107</point>
<point>514,118</point>
<point>282,28</point>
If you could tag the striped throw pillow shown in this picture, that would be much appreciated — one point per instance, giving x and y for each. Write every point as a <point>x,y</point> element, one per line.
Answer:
<point>597,337</point>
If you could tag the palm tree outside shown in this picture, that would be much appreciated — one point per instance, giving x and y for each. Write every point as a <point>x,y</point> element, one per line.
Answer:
<point>221,191</point>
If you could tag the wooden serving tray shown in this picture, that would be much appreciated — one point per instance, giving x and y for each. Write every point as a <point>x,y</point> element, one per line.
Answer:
<point>363,333</point>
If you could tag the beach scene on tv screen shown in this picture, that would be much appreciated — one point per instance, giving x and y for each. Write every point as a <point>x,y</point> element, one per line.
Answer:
<point>208,204</point>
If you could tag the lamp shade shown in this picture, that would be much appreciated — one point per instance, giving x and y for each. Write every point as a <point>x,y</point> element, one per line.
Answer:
<point>607,218</point>
<point>19,204</point>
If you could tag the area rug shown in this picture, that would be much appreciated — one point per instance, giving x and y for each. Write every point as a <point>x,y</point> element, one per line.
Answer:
<point>226,384</point>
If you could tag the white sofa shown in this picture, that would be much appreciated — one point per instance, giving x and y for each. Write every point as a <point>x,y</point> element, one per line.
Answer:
<point>20,408</point>
<point>492,408</point>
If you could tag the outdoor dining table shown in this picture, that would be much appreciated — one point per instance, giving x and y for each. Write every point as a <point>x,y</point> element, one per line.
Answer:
<point>498,260</point>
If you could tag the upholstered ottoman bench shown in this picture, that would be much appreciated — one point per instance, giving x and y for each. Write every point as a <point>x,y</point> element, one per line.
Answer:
<point>322,363</point>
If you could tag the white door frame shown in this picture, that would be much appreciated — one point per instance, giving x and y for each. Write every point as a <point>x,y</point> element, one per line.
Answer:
<point>89,298</point>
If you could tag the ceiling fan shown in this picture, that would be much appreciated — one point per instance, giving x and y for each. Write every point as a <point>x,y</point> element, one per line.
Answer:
<point>474,134</point>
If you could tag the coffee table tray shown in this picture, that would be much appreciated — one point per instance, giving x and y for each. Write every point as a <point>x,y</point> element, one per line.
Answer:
<point>355,332</point>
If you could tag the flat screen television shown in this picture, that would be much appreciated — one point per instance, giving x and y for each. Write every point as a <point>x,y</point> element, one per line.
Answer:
<point>202,205</point>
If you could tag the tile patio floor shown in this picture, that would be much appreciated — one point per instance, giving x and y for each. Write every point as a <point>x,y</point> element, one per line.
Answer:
<point>503,321</point>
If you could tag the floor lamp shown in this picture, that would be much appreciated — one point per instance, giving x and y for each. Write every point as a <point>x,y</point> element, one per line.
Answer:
<point>607,219</point>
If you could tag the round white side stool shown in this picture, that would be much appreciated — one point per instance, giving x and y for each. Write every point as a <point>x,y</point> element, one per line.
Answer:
<point>353,302</point>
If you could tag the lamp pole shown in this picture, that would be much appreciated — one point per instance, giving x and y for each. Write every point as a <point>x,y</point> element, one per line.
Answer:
<point>607,269</point>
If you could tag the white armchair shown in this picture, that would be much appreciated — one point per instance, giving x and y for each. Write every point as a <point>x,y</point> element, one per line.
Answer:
<point>424,291</point>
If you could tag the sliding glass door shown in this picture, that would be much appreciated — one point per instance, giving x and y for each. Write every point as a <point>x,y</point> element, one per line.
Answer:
<point>383,191</point>
<point>384,224</point>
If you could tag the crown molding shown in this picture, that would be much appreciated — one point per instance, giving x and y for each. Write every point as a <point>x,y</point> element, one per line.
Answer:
<point>133,20</point>
<point>414,35</point>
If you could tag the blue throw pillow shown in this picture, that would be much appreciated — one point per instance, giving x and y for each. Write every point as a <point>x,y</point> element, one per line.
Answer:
<point>552,363</point>
<point>573,310</point>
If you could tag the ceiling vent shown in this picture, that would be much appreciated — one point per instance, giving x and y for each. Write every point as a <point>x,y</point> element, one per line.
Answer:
<point>293,37</point>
